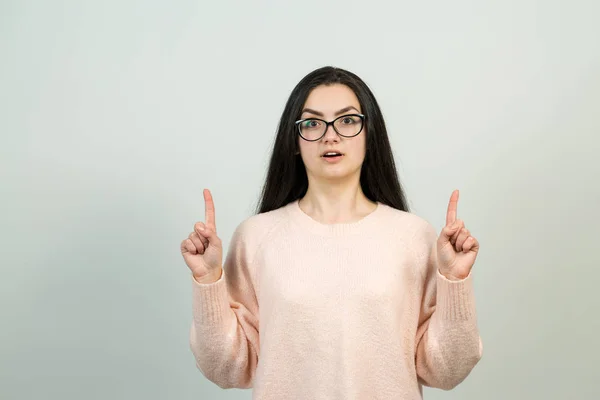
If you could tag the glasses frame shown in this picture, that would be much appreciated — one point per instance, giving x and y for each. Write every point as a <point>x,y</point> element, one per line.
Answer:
<point>362,125</point>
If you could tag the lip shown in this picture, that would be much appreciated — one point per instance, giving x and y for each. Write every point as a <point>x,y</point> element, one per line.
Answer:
<point>333,160</point>
<point>331,151</point>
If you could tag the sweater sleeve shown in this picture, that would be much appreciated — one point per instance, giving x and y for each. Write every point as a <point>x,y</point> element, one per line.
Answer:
<point>448,341</point>
<point>224,335</point>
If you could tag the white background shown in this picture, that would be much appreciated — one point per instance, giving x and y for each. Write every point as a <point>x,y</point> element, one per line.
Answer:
<point>114,116</point>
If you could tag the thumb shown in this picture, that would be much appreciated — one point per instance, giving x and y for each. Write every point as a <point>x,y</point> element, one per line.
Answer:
<point>212,237</point>
<point>449,231</point>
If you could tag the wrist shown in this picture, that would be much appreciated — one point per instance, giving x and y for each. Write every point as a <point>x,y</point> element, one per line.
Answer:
<point>452,277</point>
<point>209,278</point>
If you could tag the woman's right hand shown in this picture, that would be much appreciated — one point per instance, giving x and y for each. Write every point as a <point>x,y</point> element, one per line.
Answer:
<point>203,250</point>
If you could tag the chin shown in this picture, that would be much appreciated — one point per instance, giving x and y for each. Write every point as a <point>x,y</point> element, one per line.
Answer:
<point>341,173</point>
<point>334,171</point>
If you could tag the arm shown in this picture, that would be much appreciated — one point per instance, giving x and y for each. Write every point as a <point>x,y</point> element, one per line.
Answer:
<point>224,334</point>
<point>448,341</point>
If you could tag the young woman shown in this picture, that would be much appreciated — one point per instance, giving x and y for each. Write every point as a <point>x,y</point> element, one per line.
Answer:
<point>334,289</point>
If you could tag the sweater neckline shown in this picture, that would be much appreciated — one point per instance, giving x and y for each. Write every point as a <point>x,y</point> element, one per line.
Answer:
<point>336,229</point>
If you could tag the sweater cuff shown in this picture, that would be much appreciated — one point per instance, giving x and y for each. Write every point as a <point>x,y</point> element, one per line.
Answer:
<point>455,299</point>
<point>210,301</point>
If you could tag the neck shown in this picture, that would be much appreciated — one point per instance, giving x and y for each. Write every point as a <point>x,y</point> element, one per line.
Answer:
<point>336,202</point>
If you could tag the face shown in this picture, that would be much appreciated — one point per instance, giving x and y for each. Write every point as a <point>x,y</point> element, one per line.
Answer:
<point>328,102</point>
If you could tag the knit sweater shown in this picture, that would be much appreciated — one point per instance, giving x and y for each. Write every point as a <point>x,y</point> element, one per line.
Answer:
<point>305,310</point>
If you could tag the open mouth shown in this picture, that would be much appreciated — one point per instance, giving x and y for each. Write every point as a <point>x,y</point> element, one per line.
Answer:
<point>332,155</point>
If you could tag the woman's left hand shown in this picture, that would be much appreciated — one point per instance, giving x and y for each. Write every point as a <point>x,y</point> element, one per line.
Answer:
<point>456,248</point>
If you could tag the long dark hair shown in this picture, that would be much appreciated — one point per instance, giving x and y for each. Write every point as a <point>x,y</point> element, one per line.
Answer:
<point>286,177</point>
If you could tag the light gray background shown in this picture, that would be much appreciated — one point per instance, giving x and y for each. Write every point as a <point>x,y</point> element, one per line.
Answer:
<point>115,115</point>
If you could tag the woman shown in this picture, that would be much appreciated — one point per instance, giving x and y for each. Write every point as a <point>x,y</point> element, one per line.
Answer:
<point>333,290</point>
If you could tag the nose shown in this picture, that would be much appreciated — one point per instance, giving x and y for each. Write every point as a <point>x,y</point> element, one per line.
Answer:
<point>331,135</point>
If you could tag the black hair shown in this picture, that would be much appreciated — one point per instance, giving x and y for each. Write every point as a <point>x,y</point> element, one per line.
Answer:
<point>286,179</point>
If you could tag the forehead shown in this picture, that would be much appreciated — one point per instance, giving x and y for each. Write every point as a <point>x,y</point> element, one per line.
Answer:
<point>331,98</point>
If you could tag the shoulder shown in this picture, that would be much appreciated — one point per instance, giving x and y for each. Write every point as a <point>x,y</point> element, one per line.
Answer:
<point>419,237</point>
<point>408,224</point>
<point>413,232</point>
<point>257,228</point>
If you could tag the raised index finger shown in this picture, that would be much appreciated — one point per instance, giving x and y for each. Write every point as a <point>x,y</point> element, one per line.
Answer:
<point>209,210</point>
<point>452,206</point>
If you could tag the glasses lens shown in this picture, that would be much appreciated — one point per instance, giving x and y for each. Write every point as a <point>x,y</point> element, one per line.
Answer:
<point>312,129</point>
<point>348,125</point>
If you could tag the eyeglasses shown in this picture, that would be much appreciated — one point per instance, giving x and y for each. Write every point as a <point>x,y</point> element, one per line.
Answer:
<point>313,129</point>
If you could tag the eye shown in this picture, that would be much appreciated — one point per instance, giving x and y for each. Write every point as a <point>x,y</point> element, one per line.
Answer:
<point>311,124</point>
<point>349,120</point>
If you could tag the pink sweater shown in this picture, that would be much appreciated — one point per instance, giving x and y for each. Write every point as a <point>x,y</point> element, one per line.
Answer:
<point>306,310</point>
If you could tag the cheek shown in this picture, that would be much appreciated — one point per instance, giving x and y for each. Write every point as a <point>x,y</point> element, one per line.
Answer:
<point>359,147</point>
<point>306,152</point>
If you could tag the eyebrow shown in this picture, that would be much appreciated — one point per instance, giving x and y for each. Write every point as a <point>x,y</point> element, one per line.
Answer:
<point>320,114</point>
